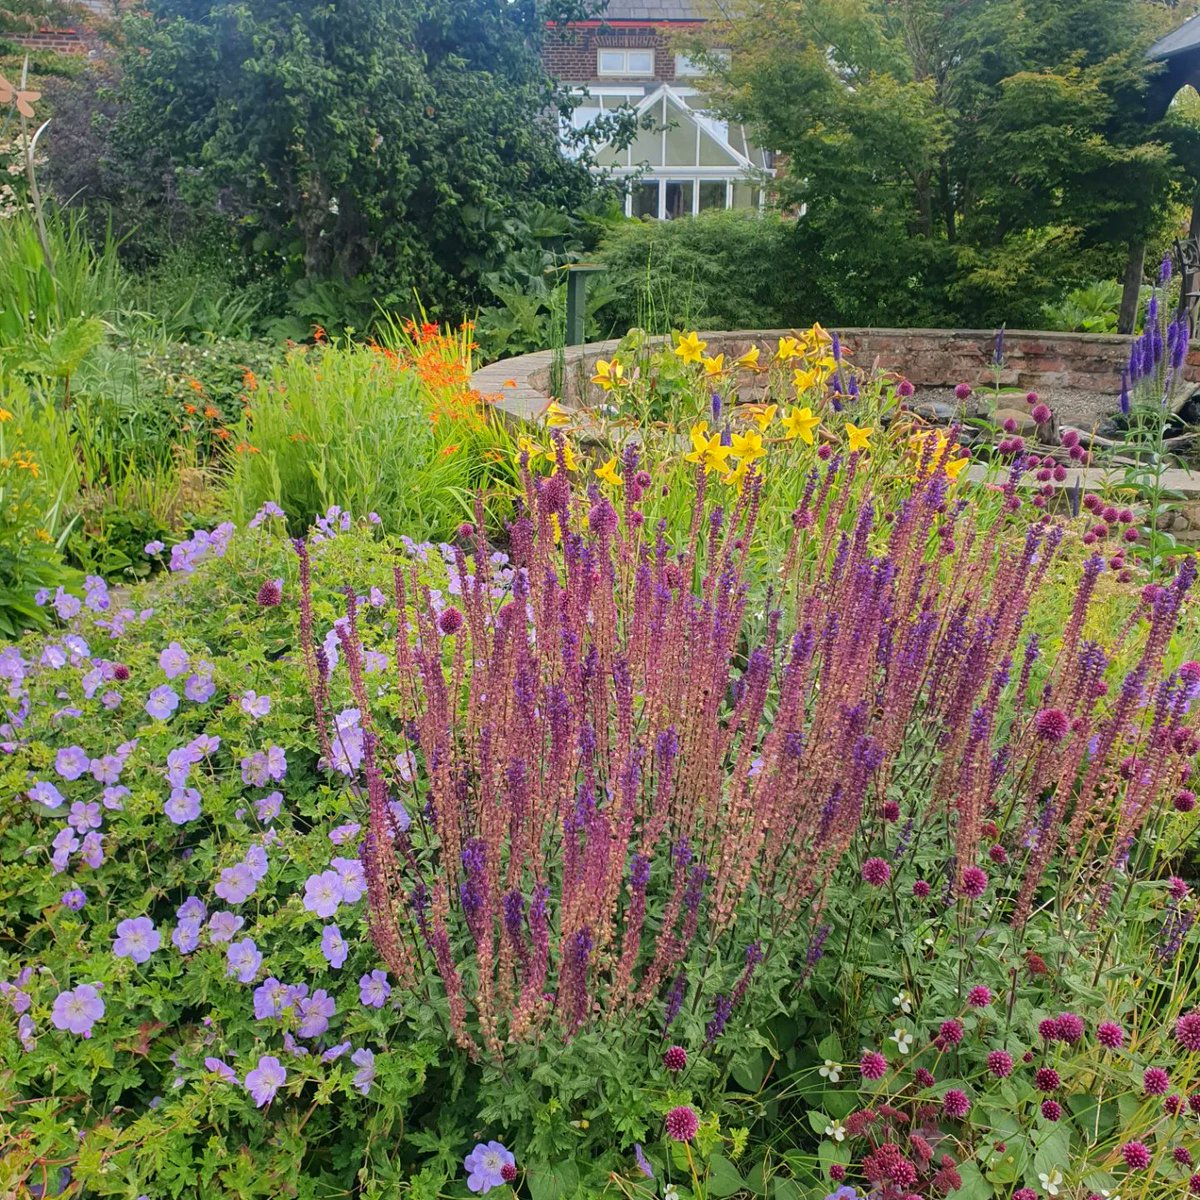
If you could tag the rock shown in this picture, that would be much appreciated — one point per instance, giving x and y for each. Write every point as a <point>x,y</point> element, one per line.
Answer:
<point>934,411</point>
<point>1026,425</point>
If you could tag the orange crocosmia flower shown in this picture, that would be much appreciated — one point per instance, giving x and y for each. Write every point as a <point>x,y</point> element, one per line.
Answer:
<point>223,434</point>
<point>213,414</point>
<point>249,382</point>
<point>509,383</point>
<point>189,408</point>
<point>429,330</point>
<point>195,385</point>
<point>246,448</point>
<point>319,334</point>
<point>447,451</point>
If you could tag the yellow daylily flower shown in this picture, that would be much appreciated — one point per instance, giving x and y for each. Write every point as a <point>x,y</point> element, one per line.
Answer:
<point>713,366</point>
<point>749,359</point>
<point>788,348</point>
<point>860,438</point>
<point>572,463</point>
<point>826,364</point>
<point>800,423</point>
<point>817,334</point>
<point>747,446</point>
<point>699,435</point>
<point>737,477</point>
<point>556,415</point>
<point>528,446</point>
<point>802,380</point>
<point>608,473</point>
<point>5,415</point>
<point>690,348</point>
<point>707,449</point>
<point>609,374</point>
<point>956,466</point>
<point>764,415</point>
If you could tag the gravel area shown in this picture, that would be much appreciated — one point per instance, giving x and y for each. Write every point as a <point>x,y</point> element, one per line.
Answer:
<point>1083,410</point>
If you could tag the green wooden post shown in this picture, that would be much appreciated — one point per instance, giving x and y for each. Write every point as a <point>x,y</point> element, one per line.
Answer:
<point>577,275</point>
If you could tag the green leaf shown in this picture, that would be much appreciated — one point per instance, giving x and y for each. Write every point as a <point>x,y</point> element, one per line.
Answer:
<point>553,1182</point>
<point>724,1178</point>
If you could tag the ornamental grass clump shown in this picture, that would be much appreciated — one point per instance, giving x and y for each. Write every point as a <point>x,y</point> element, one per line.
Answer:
<point>631,790</point>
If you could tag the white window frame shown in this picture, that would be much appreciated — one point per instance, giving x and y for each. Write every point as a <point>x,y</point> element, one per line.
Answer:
<point>626,72</point>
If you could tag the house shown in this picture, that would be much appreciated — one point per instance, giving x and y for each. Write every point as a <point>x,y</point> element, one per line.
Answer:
<point>690,160</point>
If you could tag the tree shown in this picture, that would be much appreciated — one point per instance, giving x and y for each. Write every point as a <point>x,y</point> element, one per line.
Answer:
<point>957,160</point>
<point>362,139</point>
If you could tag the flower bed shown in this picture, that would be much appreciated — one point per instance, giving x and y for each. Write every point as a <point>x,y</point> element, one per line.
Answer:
<point>340,859</point>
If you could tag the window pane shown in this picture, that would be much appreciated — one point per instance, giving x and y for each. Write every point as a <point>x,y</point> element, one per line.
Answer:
<point>743,194</point>
<point>645,198</point>
<point>712,194</point>
<point>679,198</point>
<point>641,62</point>
<point>684,67</point>
<point>612,62</point>
<point>681,141</point>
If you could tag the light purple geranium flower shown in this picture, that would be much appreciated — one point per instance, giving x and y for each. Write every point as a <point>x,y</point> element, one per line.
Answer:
<point>66,605</point>
<point>267,809</point>
<point>192,909</point>
<point>323,893</point>
<point>26,1030</point>
<point>344,833</point>
<point>223,925</point>
<point>71,762</point>
<point>200,687</point>
<point>244,959</point>
<point>374,989</point>
<point>108,768</point>
<point>186,935</point>
<point>237,883</point>
<point>78,1010</point>
<point>45,793</point>
<point>315,1012</point>
<point>335,1052</point>
<point>265,1080</point>
<point>136,939</point>
<point>256,862</point>
<point>223,1069</point>
<point>113,797</point>
<point>354,880</point>
<point>153,548</point>
<point>74,899</point>
<point>83,817</point>
<point>254,705</point>
<point>272,998</point>
<point>91,849</point>
<point>365,1075</point>
<point>183,805</point>
<point>485,1166</point>
<point>173,660</point>
<point>162,702</point>
<point>333,946</point>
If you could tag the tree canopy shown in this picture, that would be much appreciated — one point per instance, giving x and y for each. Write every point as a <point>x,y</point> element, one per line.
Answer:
<point>362,139</point>
<point>955,159</point>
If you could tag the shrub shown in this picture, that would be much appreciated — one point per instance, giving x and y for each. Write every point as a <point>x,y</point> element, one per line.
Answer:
<point>722,270</point>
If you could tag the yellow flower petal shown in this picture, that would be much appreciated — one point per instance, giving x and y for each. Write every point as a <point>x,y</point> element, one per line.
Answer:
<point>860,438</point>
<point>690,348</point>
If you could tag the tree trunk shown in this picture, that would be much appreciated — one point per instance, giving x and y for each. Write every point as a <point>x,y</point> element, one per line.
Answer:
<point>1127,317</point>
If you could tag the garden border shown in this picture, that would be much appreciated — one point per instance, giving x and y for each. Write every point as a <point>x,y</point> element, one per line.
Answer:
<point>520,387</point>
